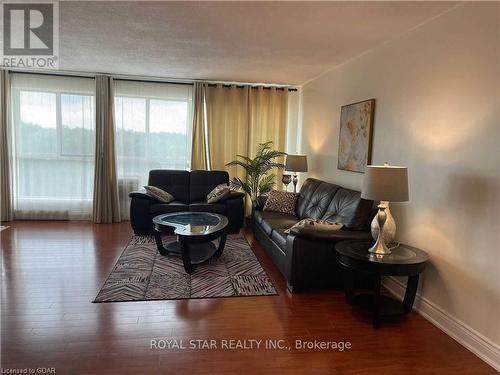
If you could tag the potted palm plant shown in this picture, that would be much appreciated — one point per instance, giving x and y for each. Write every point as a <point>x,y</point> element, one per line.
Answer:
<point>259,181</point>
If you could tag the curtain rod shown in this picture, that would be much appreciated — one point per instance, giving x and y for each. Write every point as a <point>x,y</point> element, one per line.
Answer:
<point>57,74</point>
<point>150,79</point>
<point>254,87</point>
<point>92,75</point>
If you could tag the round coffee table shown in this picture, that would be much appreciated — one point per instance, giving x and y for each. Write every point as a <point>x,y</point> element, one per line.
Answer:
<point>403,261</point>
<point>195,231</point>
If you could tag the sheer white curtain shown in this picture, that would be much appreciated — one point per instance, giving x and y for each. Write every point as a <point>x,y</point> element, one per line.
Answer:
<point>153,131</point>
<point>53,149</point>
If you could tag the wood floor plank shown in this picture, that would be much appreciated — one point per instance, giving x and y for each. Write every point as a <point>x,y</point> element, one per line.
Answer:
<point>52,271</point>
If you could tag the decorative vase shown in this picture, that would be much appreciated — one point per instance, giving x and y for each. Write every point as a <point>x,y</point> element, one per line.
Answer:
<point>286,179</point>
<point>389,231</point>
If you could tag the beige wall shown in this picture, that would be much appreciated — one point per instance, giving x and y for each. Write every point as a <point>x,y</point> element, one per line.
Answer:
<point>437,112</point>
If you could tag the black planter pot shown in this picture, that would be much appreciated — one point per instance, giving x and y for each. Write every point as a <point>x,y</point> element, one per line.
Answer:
<point>261,201</point>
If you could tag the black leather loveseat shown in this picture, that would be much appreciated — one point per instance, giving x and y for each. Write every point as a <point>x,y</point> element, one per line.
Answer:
<point>306,257</point>
<point>190,191</point>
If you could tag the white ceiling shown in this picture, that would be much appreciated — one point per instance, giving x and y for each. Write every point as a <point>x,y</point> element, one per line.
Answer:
<point>274,42</point>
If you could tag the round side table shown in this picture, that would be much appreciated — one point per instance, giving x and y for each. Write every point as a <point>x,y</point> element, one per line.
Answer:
<point>403,261</point>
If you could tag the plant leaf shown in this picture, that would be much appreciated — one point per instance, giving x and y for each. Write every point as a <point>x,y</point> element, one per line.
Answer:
<point>258,181</point>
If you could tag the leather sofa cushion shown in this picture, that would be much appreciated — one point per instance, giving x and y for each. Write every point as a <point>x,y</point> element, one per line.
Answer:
<point>314,199</point>
<point>331,236</point>
<point>306,191</point>
<point>270,220</point>
<point>347,207</point>
<point>216,208</point>
<point>279,238</point>
<point>259,216</point>
<point>166,208</point>
<point>175,182</point>
<point>203,182</point>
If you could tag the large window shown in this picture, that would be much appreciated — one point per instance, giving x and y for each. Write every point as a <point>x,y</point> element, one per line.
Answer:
<point>54,140</point>
<point>54,133</point>
<point>153,131</point>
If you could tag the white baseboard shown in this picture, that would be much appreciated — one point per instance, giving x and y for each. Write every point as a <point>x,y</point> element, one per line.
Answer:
<point>466,336</point>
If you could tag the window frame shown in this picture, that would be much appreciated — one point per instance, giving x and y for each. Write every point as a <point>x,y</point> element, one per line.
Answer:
<point>59,155</point>
<point>147,158</point>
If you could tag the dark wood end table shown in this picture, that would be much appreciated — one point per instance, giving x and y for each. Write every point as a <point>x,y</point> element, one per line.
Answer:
<point>195,231</point>
<point>403,261</point>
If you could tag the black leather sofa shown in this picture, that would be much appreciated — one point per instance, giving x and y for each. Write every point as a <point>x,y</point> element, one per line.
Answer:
<point>305,257</point>
<point>190,191</point>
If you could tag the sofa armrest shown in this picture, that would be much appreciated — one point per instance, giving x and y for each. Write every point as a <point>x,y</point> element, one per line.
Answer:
<point>235,212</point>
<point>139,212</point>
<point>312,262</point>
<point>235,195</point>
<point>141,194</point>
<point>337,235</point>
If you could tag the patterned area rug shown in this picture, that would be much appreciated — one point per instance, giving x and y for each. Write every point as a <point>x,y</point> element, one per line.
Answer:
<point>143,274</point>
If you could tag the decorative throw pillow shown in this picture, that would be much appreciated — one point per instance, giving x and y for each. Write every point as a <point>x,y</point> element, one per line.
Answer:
<point>316,224</point>
<point>220,192</point>
<point>159,194</point>
<point>281,201</point>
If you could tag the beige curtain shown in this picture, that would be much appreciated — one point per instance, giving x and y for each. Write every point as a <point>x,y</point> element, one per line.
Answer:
<point>268,109</point>
<point>227,127</point>
<point>106,207</point>
<point>5,184</point>
<point>199,149</point>
<point>237,120</point>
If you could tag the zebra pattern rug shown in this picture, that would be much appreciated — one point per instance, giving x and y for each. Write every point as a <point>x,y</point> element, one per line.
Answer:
<point>142,274</point>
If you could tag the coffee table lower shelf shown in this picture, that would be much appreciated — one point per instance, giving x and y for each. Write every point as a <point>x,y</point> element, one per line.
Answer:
<point>198,252</point>
<point>193,251</point>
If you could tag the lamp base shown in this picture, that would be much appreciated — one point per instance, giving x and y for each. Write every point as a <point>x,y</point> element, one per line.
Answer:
<point>389,232</point>
<point>380,248</point>
<point>295,180</point>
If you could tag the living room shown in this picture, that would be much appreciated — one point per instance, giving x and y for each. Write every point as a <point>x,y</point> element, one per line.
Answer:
<point>257,187</point>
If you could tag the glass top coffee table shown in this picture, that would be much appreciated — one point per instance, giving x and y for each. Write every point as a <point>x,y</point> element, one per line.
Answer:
<point>195,232</point>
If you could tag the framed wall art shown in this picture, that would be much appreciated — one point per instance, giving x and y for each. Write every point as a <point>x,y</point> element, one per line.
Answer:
<point>355,138</point>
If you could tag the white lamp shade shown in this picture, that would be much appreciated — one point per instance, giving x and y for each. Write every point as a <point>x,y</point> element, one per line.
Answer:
<point>296,163</point>
<point>385,183</point>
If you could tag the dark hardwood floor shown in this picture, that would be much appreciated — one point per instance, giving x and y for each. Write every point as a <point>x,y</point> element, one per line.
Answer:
<point>51,271</point>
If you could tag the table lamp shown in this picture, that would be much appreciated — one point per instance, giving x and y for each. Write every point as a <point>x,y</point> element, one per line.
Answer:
<point>296,163</point>
<point>386,184</point>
